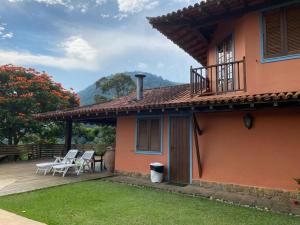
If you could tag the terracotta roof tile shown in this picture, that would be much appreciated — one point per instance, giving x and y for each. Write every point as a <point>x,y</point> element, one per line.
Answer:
<point>184,25</point>
<point>168,97</point>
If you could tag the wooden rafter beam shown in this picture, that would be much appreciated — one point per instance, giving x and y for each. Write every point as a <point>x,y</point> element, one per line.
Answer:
<point>192,44</point>
<point>175,31</point>
<point>187,32</point>
<point>180,36</point>
<point>197,49</point>
<point>199,35</point>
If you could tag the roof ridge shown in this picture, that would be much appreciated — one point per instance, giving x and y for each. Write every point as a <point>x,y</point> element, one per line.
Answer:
<point>168,86</point>
<point>125,96</point>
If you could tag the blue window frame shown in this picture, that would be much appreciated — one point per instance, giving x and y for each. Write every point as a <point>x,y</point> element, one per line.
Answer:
<point>149,134</point>
<point>279,37</point>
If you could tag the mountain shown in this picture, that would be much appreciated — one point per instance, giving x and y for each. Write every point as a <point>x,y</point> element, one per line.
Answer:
<point>150,81</point>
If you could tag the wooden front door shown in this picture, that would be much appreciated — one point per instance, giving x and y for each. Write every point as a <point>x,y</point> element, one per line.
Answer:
<point>179,149</point>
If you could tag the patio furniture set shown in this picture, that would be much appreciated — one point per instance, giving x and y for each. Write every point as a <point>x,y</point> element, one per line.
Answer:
<point>86,162</point>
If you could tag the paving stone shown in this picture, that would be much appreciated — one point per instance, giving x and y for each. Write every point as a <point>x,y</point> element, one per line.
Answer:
<point>18,177</point>
<point>8,218</point>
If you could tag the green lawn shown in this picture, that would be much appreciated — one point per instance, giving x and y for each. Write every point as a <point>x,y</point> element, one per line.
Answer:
<point>100,202</point>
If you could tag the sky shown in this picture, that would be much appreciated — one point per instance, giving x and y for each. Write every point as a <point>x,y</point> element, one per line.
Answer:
<point>79,41</point>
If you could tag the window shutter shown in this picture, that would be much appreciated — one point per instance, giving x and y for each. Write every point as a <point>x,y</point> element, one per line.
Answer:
<point>155,135</point>
<point>142,135</point>
<point>273,36</point>
<point>293,29</point>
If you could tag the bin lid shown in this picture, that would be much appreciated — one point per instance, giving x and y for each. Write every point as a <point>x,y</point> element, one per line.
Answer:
<point>156,164</point>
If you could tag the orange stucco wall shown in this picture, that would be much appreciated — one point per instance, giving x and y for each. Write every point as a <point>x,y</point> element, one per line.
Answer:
<point>261,77</point>
<point>265,156</point>
<point>127,159</point>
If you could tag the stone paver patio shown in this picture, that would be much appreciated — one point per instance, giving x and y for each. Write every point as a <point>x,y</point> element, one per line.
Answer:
<point>8,218</point>
<point>18,177</point>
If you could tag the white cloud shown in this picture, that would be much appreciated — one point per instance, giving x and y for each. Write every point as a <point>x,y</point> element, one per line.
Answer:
<point>187,1</point>
<point>135,6</point>
<point>77,47</point>
<point>120,16</point>
<point>124,6</point>
<point>100,2</point>
<point>27,58</point>
<point>81,5</point>
<point>92,52</point>
<point>49,2</point>
<point>142,66</point>
<point>52,2</point>
<point>8,35</point>
<point>104,16</point>
<point>4,34</point>
<point>78,54</point>
<point>111,43</point>
<point>65,3</point>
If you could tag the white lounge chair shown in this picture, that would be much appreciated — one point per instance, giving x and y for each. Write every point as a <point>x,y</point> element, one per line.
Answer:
<point>79,166</point>
<point>47,166</point>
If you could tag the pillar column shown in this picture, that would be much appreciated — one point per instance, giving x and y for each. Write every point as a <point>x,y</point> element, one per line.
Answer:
<point>68,135</point>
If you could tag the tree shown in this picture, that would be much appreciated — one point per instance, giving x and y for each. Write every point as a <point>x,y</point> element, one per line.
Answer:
<point>103,134</point>
<point>118,85</point>
<point>24,92</point>
<point>49,133</point>
<point>100,99</point>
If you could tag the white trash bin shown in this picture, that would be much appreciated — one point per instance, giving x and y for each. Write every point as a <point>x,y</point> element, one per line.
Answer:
<point>157,172</point>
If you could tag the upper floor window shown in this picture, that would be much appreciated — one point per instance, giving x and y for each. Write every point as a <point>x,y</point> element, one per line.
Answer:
<point>149,134</point>
<point>225,73</point>
<point>281,28</point>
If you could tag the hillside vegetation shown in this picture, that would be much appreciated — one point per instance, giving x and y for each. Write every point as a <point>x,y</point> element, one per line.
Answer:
<point>87,96</point>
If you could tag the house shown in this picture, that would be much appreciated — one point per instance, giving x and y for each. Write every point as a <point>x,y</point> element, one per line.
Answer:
<point>238,121</point>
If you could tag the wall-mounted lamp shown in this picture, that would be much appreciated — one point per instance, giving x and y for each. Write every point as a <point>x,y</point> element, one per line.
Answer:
<point>248,120</point>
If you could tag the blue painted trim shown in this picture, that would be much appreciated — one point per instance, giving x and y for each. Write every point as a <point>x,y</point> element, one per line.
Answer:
<point>262,44</point>
<point>189,115</point>
<point>161,118</point>
<point>147,152</point>
<point>191,149</point>
<point>261,36</point>
<point>169,144</point>
<point>280,58</point>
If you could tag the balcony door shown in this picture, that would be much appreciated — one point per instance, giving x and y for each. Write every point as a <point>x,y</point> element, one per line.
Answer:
<point>225,71</point>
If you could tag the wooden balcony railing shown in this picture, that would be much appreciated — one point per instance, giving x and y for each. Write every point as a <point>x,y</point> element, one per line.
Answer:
<point>219,78</point>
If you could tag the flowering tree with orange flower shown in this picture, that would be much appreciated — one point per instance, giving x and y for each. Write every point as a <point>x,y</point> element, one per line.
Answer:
<point>24,92</point>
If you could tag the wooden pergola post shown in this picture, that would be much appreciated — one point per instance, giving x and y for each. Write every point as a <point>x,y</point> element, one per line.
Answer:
<point>68,135</point>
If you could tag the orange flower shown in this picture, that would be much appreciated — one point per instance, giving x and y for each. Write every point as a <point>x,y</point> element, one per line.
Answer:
<point>21,114</point>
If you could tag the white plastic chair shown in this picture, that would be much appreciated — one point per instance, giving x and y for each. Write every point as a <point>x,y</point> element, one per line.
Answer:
<point>47,166</point>
<point>79,164</point>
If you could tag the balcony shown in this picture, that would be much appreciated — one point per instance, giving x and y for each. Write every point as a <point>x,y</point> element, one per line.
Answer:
<point>219,78</point>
